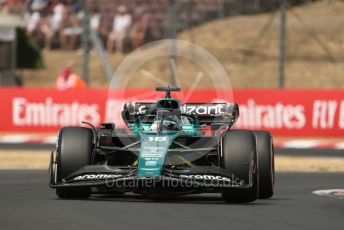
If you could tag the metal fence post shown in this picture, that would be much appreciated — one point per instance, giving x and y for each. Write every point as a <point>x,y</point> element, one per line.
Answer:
<point>86,43</point>
<point>221,8</point>
<point>173,35</point>
<point>282,43</point>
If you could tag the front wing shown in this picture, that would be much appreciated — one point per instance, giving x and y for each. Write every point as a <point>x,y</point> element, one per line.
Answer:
<point>209,178</point>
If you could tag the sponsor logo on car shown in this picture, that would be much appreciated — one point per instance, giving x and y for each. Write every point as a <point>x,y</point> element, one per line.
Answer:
<point>205,109</point>
<point>97,176</point>
<point>150,163</point>
<point>201,109</point>
<point>205,177</point>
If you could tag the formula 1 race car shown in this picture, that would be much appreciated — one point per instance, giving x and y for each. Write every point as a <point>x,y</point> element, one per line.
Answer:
<point>172,149</point>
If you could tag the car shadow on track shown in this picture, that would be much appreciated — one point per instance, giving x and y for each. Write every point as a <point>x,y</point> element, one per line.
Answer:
<point>186,199</point>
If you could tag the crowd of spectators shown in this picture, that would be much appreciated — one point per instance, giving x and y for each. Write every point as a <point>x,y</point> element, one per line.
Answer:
<point>57,24</point>
<point>121,24</point>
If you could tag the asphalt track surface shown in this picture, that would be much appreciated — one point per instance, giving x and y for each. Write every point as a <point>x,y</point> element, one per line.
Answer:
<point>28,203</point>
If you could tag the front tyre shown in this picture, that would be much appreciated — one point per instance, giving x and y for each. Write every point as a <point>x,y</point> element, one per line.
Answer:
<point>74,151</point>
<point>239,157</point>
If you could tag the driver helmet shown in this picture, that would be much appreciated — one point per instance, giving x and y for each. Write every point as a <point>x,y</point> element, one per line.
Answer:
<point>169,123</point>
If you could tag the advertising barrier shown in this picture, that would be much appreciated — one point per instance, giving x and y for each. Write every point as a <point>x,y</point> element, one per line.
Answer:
<point>307,113</point>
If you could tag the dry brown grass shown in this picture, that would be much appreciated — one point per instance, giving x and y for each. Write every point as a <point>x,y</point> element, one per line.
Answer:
<point>230,39</point>
<point>309,164</point>
<point>24,159</point>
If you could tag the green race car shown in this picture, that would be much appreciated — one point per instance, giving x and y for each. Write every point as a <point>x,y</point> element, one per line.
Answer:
<point>172,149</point>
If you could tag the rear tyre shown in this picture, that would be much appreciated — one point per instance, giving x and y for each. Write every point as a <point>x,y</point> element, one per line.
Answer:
<point>239,157</point>
<point>266,167</point>
<point>74,151</point>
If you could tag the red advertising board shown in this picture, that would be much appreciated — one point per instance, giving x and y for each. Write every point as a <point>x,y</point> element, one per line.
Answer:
<point>293,112</point>
<point>283,112</point>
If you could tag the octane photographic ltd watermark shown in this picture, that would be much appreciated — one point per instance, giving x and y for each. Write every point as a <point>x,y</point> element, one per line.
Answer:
<point>186,182</point>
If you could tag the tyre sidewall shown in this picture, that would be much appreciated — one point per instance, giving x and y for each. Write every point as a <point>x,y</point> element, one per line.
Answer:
<point>74,150</point>
<point>238,155</point>
<point>265,153</point>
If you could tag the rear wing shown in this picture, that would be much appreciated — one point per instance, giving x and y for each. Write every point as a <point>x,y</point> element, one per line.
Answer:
<point>206,113</point>
<point>137,108</point>
<point>212,113</point>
